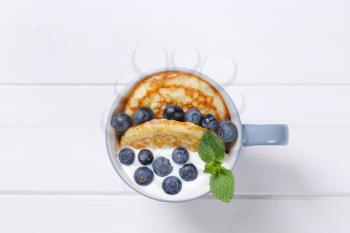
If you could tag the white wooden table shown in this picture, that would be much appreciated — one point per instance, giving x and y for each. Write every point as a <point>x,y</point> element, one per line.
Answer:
<point>63,62</point>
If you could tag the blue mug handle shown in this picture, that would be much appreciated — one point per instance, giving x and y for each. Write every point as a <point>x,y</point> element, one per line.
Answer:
<point>275,134</point>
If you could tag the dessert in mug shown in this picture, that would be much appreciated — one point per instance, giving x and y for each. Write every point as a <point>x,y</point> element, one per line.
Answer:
<point>173,135</point>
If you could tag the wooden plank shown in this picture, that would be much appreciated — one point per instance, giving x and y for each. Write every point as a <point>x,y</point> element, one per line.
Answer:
<point>133,213</point>
<point>294,42</point>
<point>52,140</point>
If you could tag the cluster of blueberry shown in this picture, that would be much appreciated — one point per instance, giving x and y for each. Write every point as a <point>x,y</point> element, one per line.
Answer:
<point>226,130</point>
<point>121,122</point>
<point>161,167</point>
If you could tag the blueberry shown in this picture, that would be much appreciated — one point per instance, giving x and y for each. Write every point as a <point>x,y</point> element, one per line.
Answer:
<point>142,115</point>
<point>227,131</point>
<point>145,156</point>
<point>194,116</point>
<point>143,176</point>
<point>180,155</point>
<point>209,122</point>
<point>188,172</point>
<point>121,122</point>
<point>173,112</point>
<point>126,156</point>
<point>162,166</point>
<point>172,185</point>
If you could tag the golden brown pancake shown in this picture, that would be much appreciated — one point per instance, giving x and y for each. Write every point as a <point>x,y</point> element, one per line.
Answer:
<point>162,133</point>
<point>176,87</point>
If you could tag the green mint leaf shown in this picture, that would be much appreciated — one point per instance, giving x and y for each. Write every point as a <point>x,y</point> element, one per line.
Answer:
<point>212,167</point>
<point>222,185</point>
<point>211,148</point>
<point>227,172</point>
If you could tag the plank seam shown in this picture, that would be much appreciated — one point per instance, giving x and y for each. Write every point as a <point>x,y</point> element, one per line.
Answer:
<point>123,193</point>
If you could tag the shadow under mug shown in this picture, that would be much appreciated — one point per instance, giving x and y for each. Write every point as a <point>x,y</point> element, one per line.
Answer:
<point>248,134</point>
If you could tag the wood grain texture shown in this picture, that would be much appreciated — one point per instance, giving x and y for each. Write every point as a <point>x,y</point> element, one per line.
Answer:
<point>294,41</point>
<point>53,141</point>
<point>32,214</point>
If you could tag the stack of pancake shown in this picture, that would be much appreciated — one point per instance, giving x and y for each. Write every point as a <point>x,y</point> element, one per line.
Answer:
<point>171,87</point>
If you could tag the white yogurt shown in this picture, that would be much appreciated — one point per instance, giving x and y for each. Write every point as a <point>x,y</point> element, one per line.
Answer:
<point>190,189</point>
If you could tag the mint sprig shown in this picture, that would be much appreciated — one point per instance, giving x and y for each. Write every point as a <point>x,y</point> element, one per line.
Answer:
<point>211,150</point>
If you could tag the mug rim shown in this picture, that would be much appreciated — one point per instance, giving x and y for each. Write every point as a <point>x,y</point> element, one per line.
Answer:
<point>228,102</point>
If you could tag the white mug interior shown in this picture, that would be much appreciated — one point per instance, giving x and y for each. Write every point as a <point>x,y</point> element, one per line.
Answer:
<point>113,146</point>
